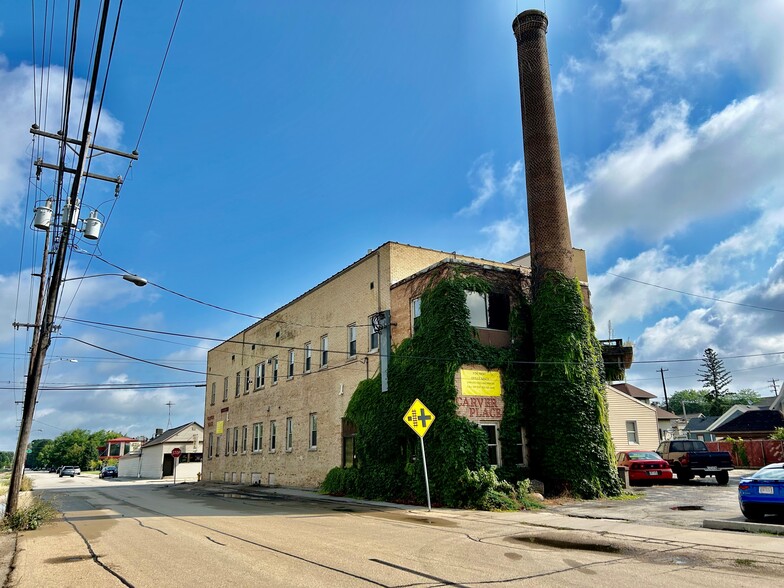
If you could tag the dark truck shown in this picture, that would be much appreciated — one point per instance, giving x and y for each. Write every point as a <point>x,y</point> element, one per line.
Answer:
<point>689,458</point>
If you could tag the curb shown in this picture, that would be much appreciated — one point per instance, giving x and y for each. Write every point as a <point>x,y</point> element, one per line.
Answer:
<point>745,526</point>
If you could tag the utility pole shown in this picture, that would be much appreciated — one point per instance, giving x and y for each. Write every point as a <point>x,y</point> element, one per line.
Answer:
<point>773,384</point>
<point>47,299</point>
<point>666,400</point>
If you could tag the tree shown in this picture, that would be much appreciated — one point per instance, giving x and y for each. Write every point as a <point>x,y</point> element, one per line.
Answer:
<point>6,459</point>
<point>690,401</point>
<point>747,397</point>
<point>33,459</point>
<point>715,378</point>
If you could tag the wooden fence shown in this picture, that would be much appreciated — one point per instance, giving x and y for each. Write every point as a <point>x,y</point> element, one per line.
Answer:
<point>753,453</point>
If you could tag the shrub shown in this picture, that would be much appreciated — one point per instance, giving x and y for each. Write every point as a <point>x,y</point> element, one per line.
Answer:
<point>28,518</point>
<point>481,489</point>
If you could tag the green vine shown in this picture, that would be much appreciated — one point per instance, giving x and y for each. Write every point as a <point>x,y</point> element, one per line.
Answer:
<point>560,402</point>
<point>571,445</point>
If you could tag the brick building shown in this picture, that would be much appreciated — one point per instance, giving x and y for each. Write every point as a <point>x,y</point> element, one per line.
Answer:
<point>277,391</point>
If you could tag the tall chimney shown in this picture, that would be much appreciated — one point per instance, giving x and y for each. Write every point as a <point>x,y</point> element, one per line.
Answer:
<point>548,220</point>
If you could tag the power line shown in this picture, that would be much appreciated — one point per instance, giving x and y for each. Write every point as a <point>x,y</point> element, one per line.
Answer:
<point>696,295</point>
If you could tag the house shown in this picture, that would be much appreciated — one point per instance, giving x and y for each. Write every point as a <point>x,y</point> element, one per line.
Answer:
<point>154,459</point>
<point>117,447</point>
<point>699,427</point>
<point>751,424</point>
<point>667,422</point>
<point>633,423</point>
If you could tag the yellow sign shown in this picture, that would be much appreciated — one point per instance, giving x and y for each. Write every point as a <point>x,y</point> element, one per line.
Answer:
<point>419,418</point>
<point>479,383</point>
<point>219,428</point>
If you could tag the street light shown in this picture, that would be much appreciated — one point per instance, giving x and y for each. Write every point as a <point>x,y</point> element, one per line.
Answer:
<point>42,337</point>
<point>132,278</point>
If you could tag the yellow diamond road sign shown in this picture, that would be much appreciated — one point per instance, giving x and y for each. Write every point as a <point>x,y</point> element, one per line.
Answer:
<point>419,418</point>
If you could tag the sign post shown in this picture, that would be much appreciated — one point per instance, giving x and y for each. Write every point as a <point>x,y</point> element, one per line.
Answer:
<point>419,418</point>
<point>175,453</point>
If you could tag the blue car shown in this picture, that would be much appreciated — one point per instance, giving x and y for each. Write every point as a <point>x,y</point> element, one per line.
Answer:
<point>762,493</point>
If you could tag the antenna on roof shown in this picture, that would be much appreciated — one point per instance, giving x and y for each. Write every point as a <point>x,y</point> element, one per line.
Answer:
<point>168,423</point>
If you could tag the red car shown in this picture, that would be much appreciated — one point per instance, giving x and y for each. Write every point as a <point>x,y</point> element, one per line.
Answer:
<point>645,466</point>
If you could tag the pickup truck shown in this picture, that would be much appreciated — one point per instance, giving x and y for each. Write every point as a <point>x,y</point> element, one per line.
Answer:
<point>689,458</point>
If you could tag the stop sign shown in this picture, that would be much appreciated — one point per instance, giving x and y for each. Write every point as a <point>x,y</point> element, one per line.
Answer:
<point>176,452</point>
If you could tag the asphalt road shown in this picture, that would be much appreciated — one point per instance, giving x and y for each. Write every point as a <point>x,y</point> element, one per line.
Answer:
<point>670,504</point>
<point>116,533</point>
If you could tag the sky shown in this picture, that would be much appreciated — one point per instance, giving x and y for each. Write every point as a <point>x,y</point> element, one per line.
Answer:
<point>287,139</point>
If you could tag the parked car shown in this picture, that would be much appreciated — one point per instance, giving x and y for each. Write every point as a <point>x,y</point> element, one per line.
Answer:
<point>70,471</point>
<point>108,472</point>
<point>762,493</point>
<point>689,458</point>
<point>644,466</point>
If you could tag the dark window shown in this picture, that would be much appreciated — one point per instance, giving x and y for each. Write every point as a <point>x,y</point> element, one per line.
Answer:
<point>492,443</point>
<point>498,311</point>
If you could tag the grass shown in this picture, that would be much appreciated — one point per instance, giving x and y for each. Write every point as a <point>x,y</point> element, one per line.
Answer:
<point>746,563</point>
<point>5,481</point>
<point>626,496</point>
<point>35,512</point>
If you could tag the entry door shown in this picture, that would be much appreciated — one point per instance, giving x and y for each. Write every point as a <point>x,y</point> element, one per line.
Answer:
<point>168,465</point>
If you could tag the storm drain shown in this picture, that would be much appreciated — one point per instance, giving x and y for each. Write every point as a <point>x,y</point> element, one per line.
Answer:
<point>688,507</point>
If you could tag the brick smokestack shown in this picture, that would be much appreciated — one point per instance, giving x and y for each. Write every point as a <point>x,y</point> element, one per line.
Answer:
<point>548,221</point>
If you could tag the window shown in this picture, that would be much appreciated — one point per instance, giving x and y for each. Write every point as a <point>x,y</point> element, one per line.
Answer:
<point>235,447</point>
<point>289,434</point>
<point>352,341</point>
<point>212,394</point>
<point>210,444</point>
<point>274,370</point>
<point>324,350</point>
<point>238,384</point>
<point>247,380</point>
<point>308,356</point>
<point>273,435</point>
<point>244,438</point>
<point>488,311</point>
<point>228,440</point>
<point>291,363</point>
<point>257,435</point>
<point>313,430</point>
<point>225,388</point>
<point>259,375</point>
<point>373,338</point>
<point>492,444</point>
<point>631,433</point>
<point>217,446</point>
<point>416,310</point>
<point>521,450</point>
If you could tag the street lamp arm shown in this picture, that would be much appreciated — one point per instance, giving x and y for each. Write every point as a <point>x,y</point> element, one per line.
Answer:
<point>132,278</point>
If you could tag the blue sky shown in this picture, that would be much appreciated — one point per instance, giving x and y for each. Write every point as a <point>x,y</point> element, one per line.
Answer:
<point>286,139</point>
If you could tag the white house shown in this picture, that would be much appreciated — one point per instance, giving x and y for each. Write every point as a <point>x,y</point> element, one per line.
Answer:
<point>154,459</point>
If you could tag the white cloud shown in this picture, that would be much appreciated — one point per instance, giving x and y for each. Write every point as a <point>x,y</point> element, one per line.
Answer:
<point>481,179</point>
<point>16,143</point>
<point>504,239</point>
<point>656,184</point>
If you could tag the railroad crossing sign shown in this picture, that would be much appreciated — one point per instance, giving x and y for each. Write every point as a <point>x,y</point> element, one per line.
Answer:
<point>419,418</point>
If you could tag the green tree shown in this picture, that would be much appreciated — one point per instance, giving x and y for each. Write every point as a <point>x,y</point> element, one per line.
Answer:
<point>716,379</point>
<point>33,458</point>
<point>690,401</point>
<point>6,459</point>
<point>778,434</point>
<point>747,397</point>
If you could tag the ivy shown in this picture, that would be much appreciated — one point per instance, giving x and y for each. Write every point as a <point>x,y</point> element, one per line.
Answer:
<point>570,440</point>
<point>560,400</point>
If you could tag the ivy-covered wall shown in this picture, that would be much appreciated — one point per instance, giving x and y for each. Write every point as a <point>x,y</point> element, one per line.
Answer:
<point>559,400</point>
<point>569,435</point>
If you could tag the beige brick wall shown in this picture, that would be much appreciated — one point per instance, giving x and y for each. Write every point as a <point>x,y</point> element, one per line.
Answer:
<point>327,309</point>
